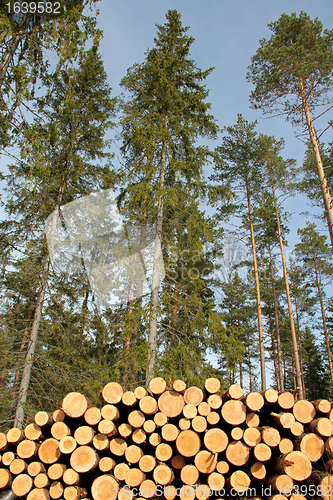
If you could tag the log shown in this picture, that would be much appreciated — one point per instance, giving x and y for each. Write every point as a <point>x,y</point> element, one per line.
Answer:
<point>21,485</point>
<point>169,432</point>
<point>193,395</point>
<point>205,461</point>
<point>295,464</point>
<point>199,424</point>
<point>38,494</point>
<point>233,392</point>
<point>43,419</point>
<point>286,400</point>
<point>104,487</point>
<point>60,430</point>
<point>140,392</point>
<point>125,430</point>
<point>147,463</point>
<point>296,429</point>
<point>163,452</point>
<point>215,481</point>
<point>282,484</point>
<point>214,401</point>
<point>74,493</point>
<point>184,424</point>
<point>84,435</point>
<point>58,416</point>
<point>74,405</point>
<point>311,445</point>
<point>215,440</point>
<point>187,492</point>
<point>322,426</point>
<point>326,484</point>
<point>190,411</point>
<point>84,459</point>
<point>262,452</point>
<point>179,386</point>
<point>56,471</point>
<point>18,466</point>
<point>212,385</point>
<point>188,443</point>
<point>237,453</point>
<point>258,470</point>
<point>110,412</point>
<point>252,420</point>
<point>304,411</point>
<point>204,409</point>
<point>106,464</point>
<point>139,436</point>
<point>118,447</point>
<point>157,386</point>
<point>213,418</point>
<point>129,399</point>
<point>41,481</point>
<point>15,436</point>
<point>136,419</point>
<point>178,462</point>
<point>239,481</point>
<point>56,490</point>
<point>203,492</point>
<point>93,415</point>
<point>125,493</point>
<point>236,433</point>
<point>283,420</point>
<point>160,419</point>
<point>163,475</point>
<point>33,432</point>
<point>112,393</point>
<point>3,441</point>
<point>189,474</point>
<point>222,467</point>
<point>286,446</point>
<point>71,477</point>
<point>234,412</point>
<point>148,489</point>
<point>120,471</point>
<point>270,436</point>
<point>149,426</point>
<point>5,479</point>
<point>49,451</point>
<point>254,401</point>
<point>7,458</point>
<point>322,406</point>
<point>270,396</point>
<point>252,436</point>
<point>107,427</point>
<point>329,446</point>
<point>154,439</point>
<point>134,477</point>
<point>148,405</point>
<point>35,468</point>
<point>67,445</point>
<point>133,454</point>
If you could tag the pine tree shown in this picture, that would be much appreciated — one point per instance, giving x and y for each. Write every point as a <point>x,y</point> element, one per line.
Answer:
<point>293,75</point>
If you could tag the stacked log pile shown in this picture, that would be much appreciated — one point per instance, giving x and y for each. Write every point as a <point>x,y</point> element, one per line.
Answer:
<point>184,442</point>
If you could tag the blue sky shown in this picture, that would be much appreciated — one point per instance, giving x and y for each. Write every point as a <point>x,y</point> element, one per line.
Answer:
<point>226,36</point>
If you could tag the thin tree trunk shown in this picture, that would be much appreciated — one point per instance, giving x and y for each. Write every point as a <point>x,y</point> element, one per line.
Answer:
<point>300,348</point>
<point>324,326</point>
<point>26,373</point>
<point>320,167</point>
<point>240,374</point>
<point>277,326</point>
<point>155,286</point>
<point>276,368</point>
<point>257,285</point>
<point>17,371</point>
<point>290,309</point>
<point>250,367</point>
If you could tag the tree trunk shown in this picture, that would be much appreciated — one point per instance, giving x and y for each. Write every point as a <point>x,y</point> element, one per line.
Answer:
<point>278,336</point>
<point>257,285</point>
<point>320,168</point>
<point>276,369</point>
<point>300,348</point>
<point>324,325</point>
<point>290,309</point>
<point>155,287</point>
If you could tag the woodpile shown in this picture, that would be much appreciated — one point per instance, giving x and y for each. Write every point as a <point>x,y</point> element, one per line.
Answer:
<point>186,442</point>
